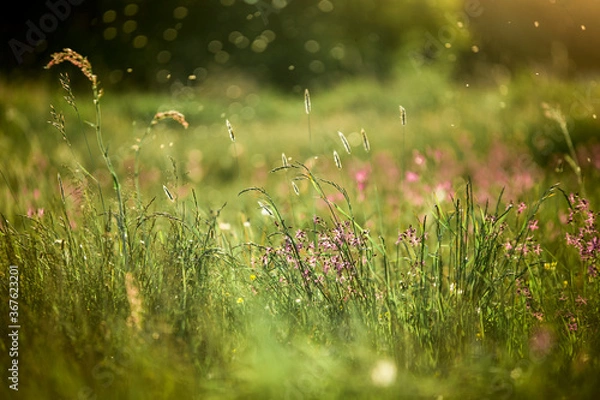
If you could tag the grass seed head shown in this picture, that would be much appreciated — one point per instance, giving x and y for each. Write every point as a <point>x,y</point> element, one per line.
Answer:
<point>365,140</point>
<point>174,115</point>
<point>230,130</point>
<point>65,82</point>
<point>284,160</point>
<point>402,115</point>
<point>336,158</point>
<point>61,188</point>
<point>58,121</point>
<point>296,189</point>
<point>77,60</point>
<point>345,142</point>
<point>307,105</point>
<point>169,195</point>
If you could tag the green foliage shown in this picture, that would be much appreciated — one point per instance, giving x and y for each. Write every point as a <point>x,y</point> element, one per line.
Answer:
<point>354,282</point>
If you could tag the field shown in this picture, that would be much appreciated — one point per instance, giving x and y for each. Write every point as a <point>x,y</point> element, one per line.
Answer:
<point>425,237</point>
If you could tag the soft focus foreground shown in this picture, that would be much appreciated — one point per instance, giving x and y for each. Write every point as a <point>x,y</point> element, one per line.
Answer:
<point>422,238</point>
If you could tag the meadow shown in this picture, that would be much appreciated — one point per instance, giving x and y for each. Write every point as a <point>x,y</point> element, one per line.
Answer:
<point>429,237</point>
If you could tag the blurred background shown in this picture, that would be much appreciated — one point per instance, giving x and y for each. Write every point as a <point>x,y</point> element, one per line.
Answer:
<point>473,76</point>
<point>292,44</point>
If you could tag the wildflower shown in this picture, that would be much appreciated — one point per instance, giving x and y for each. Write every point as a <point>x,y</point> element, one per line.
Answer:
<point>419,159</point>
<point>522,290</point>
<point>587,239</point>
<point>522,206</point>
<point>580,300</point>
<point>312,261</point>
<point>563,297</point>
<point>550,266</point>
<point>300,234</point>
<point>361,177</point>
<point>539,316</point>
<point>240,300</point>
<point>252,277</point>
<point>593,246</point>
<point>412,176</point>
<point>410,236</point>
<point>326,266</point>
<point>35,212</point>
<point>533,225</point>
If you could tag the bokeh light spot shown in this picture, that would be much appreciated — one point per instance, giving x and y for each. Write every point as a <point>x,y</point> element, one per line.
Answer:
<point>269,35</point>
<point>140,41</point>
<point>180,12</point>
<point>214,46</point>
<point>201,73</point>
<point>234,92</point>
<point>338,52</point>
<point>129,26</point>
<point>109,16</point>
<point>325,6</point>
<point>163,76</point>
<point>259,45</point>
<point>170,34</point>
<point>131,9</point>
<point>163,56</point>
<point>110,33</point>
<point>115,76</point>
<point>316,66</point>
<point>222,57</point>
<point>312,46</point>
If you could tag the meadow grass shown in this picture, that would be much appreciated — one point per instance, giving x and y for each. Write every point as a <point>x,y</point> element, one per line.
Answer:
<point>443,260</point>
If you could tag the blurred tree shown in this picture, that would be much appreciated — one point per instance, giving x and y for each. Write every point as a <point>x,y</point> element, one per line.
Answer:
<point>290,43</point>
